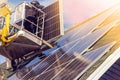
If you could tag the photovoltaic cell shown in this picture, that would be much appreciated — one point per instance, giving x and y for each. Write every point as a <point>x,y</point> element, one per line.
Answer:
<point>79,63</point>
<point>64,56</point>
<point>84,29</point>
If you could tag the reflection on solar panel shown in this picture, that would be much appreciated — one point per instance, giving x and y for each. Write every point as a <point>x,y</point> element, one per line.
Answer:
<point>53,21</point>
<point>76,65</point>
<point>84,29</point>
<point>65,56</point>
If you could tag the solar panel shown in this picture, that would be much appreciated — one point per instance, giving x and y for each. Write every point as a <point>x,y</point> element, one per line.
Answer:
<point>79,47</point>
<point>53,21</point>
<point>79,64</point>
<point>84,28</point>
<point>64,56</point>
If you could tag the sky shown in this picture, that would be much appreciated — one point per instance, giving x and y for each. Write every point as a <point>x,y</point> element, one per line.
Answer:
<point>76,11</point>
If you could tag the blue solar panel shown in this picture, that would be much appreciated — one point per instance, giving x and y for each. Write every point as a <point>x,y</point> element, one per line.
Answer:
<point>67,55</point>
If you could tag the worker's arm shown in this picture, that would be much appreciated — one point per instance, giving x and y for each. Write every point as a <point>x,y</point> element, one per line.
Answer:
<point>5,12</point>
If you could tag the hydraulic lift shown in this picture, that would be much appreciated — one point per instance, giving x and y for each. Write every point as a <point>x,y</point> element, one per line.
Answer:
<point>17,41</point>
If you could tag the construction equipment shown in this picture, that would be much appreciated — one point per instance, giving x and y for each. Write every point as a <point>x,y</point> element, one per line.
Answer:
<point>5,24</point>
<point>27,39</point>
<point>14,46</point>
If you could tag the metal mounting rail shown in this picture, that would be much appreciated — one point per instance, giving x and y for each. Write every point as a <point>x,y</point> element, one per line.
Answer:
<point>33,37</point>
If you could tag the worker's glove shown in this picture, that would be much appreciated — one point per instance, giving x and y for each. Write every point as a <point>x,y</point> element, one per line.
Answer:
<point>20,33</point>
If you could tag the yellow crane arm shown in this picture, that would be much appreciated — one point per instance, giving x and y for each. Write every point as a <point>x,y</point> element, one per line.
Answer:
<point>4,32</point>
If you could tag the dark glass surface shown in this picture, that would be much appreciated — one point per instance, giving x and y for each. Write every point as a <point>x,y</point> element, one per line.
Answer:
<point>52,21</point>
<point>113,73</point>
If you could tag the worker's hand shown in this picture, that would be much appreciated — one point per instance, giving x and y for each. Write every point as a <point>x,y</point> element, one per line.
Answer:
<point>20,33</point>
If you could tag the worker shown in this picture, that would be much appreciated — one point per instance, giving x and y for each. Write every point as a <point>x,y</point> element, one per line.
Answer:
<point>33,16</point>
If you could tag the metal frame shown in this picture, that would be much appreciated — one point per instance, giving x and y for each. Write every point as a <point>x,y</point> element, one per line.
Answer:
<point>38,19</point>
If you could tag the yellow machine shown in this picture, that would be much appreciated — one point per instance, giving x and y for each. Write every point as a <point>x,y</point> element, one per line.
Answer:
<point>5,25</point>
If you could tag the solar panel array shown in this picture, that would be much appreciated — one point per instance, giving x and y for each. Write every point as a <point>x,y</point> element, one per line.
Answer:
<point>79,64</point>
<point>78,47</point>
<point>64,55</point>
